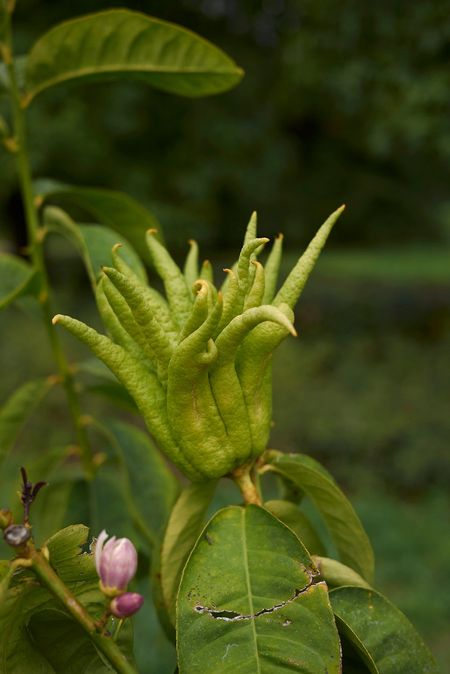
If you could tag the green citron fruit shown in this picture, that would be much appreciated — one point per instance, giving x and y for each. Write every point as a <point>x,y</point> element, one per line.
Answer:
<point>198,361</point>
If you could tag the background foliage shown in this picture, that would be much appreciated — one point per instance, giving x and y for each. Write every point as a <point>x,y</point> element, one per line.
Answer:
<point>343,101</point>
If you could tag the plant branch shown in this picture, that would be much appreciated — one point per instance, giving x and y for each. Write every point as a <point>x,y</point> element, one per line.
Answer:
<point>106,645</point>
<point>35,240</point>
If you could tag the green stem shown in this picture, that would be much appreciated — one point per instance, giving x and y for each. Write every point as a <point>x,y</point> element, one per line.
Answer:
<point>249,491</point>
<point>35,238</point>
<point>106,645</point>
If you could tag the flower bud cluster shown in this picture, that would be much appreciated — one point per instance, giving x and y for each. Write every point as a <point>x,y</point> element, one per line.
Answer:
<point>198,361</point>
<point>116,563</point>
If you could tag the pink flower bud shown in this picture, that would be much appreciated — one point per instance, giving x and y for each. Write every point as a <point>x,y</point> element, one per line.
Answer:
<point>126,605</point>
<point>116,562</point>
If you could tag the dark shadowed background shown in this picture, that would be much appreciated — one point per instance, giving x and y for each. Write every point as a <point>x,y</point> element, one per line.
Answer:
<point>343,101</point>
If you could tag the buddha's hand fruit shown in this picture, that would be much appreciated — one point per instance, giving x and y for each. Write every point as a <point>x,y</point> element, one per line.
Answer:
<point>198,361</point>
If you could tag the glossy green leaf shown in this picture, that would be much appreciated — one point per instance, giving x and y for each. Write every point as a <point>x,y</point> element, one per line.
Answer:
<point>120,43</point>
<point>93,242</point>
<point>343,523</point>
<point>115,210</point>
<point>17,278</point>
<point>18,408</point>
<point>298,522</point>
<point>384,637</point>
<point>247,602</point>
<point>184,527</point>
<point>36,633</point>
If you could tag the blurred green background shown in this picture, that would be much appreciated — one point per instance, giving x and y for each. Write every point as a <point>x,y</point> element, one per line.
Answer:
<point>343,101</point>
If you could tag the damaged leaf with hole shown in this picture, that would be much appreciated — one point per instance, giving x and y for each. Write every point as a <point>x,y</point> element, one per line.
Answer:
<point>249,602</point>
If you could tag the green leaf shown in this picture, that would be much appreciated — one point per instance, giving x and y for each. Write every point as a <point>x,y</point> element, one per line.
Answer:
<point>66,556</point>
<point>150,488</point>
<point>247,602</point>
<point>343,523</point>
<point>124,44</point>
<point>4,80</point>
<point>18,408</point>
<point>93,242</point>
<point>5,569</point>
<point>384,637</point>
<point>336,574</point>
<point>186,522</point>
<point>4,129</point>
<point>65,645</point>
<point>297,521</point>
<point>160,657</point>
<point>17,278</point>
<point>109,503</point>
<point>6,574</point>
<point>105,384</point>
<point>63,500</point>
<point>19,63</point>
<point>114,393</point>
<point>116,210</point>
<point>36,633</point>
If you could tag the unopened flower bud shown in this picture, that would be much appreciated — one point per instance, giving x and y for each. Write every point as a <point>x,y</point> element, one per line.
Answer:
<point>17,535</point>
<point>126,605</point>
<point>116,562</point>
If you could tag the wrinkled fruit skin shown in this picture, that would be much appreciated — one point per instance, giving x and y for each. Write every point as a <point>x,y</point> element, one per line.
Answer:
<point>198,361</point>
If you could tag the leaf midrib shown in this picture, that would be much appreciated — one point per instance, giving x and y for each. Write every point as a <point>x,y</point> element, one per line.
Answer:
<point>119,68</point>
<point>249,589</point>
